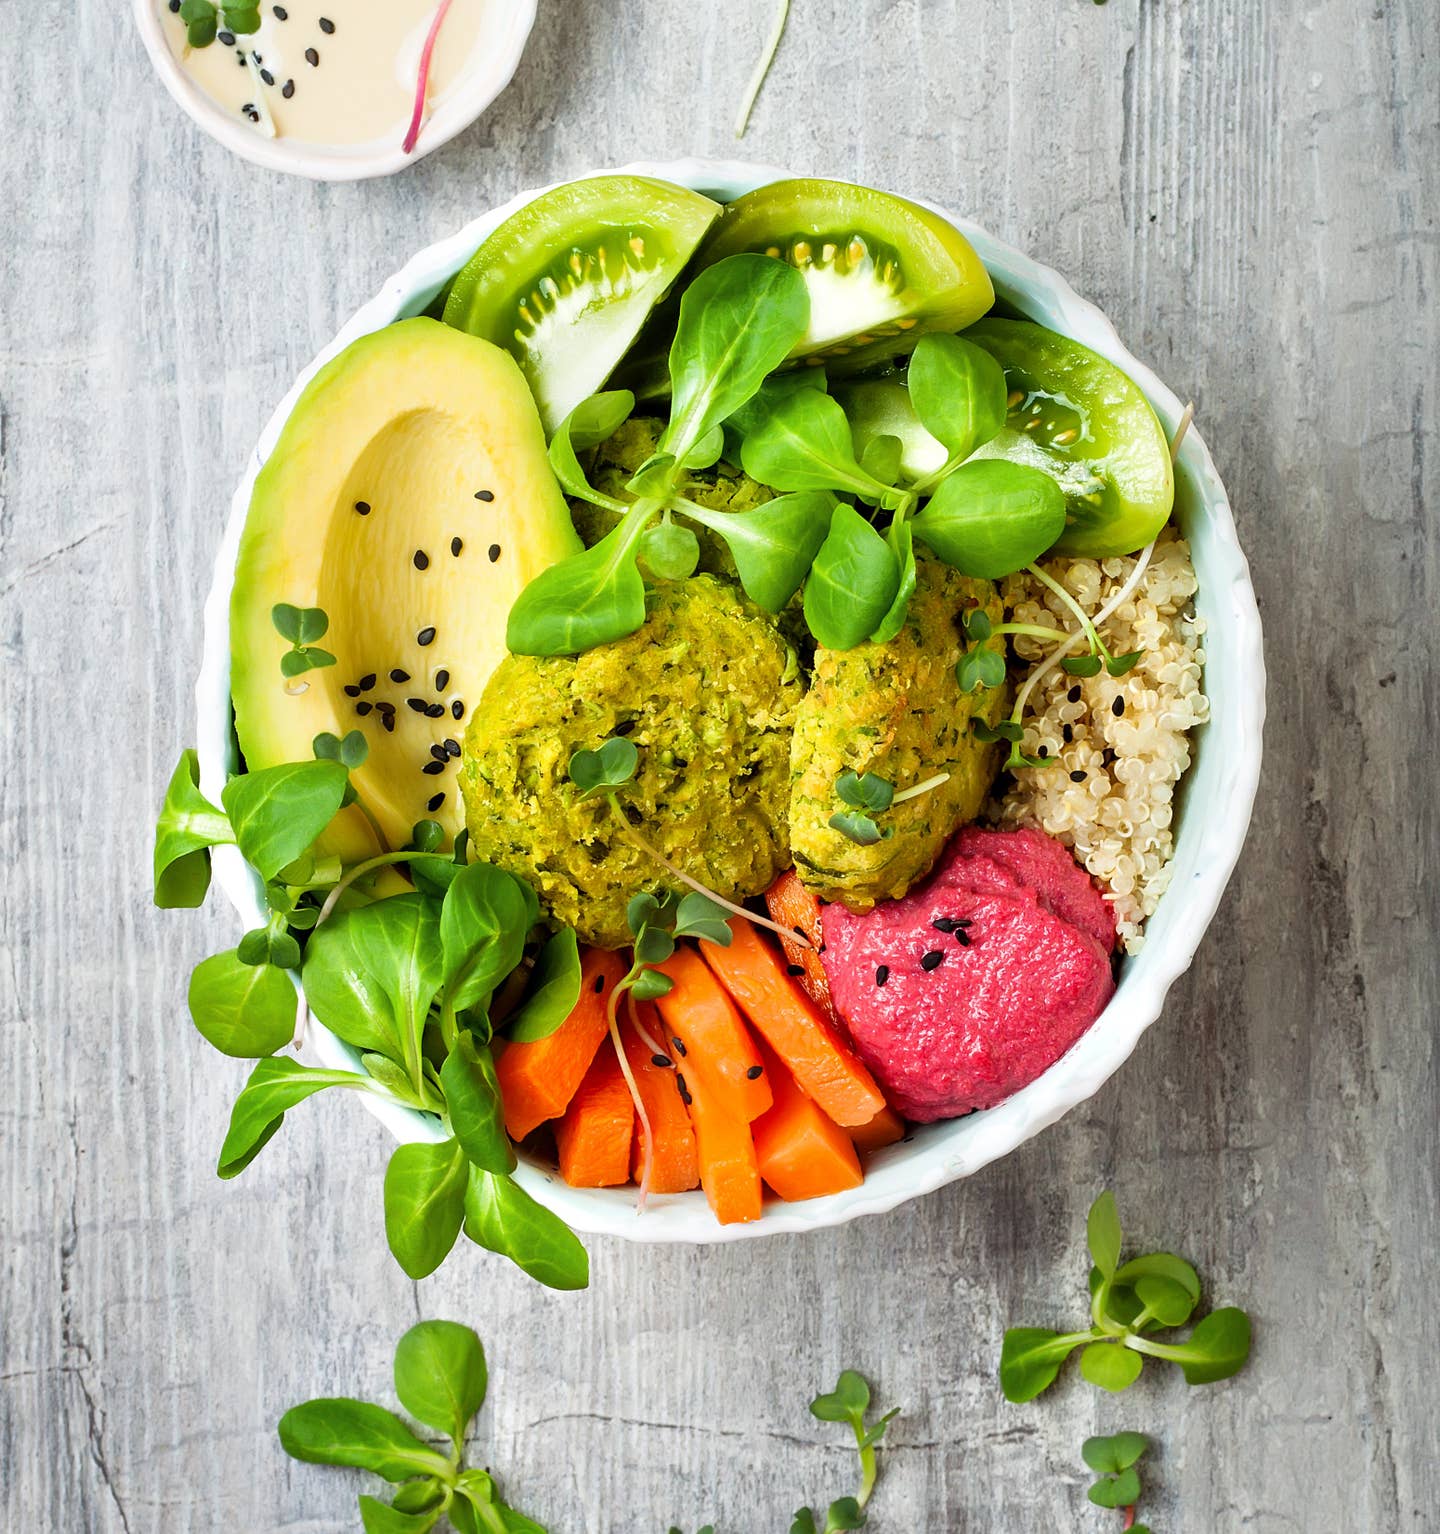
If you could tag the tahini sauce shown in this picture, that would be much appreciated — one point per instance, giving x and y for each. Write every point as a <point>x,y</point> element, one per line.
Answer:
<point>329,71</point>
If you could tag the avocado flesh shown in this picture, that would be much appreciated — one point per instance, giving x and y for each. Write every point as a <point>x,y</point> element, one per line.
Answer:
<point>414,422</point>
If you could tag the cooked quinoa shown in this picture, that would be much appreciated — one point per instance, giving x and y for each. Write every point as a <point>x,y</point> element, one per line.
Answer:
<point>1121,741</point>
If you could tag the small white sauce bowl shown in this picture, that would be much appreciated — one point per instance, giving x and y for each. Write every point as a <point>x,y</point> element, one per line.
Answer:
<point>1213,815</point>
<point>489,69</point>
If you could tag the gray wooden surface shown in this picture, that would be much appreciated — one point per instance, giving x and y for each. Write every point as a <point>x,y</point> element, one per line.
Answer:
<point>1250,190</point>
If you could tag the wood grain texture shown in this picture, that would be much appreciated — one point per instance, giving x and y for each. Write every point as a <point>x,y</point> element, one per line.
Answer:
<point>1249,189</point>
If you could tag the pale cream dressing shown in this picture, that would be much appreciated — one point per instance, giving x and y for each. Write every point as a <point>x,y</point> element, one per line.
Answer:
<point>330,71</point>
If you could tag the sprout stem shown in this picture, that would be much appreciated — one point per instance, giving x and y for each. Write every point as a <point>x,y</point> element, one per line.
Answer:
<point>767,58</point>
<point>1186,416</point>
<point>916,789</point>
<point>646,1135</point>
<point>422,79</point>
<point>788,934</point>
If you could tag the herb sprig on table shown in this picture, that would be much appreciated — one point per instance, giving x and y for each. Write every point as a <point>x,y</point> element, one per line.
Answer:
<point>408,981</point>
<point>1129,1302</point>
<point>441,1380</point>
<point>1114,1458</point>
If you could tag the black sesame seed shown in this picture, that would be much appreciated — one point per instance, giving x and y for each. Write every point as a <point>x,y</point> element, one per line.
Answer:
<point>1118,706</point>
<point>755,1073</point>
<point>442,680</point>
<point>494,552</point>
<point>931,960</point>
<point>456,544</point>
<point>457,708</point>
<point>240,57</point>
<point>452,747</point>
<point>684,1090</point>
<point>363,708</point>
<point>351,690</point>
<point>425,637</point>
<point>440,753</point>
<point>367,681</point>
<point>800,932</point>
<point>963,938</point>
<point>1067,733</point>
<point>174,6</point>
<point>267,77</point>
<point>431,768</point>
<point>279,13</point>
<point>945,923</point>
<point>663,1061</point>
<point>485,495</point>
<point>435,711</point>
<point>1077,776</point>
<point>435,800</point>
<point>227,39</point>
<point>1044,751</point>
<point>1074,693</point>
<point>599,984</point>
<point>326,25</point>
<point>679,1047</point>
<point>422,559</point>
<point>388,720</point>
<point>882,974</point>
<point>288,89</point>
<point>258,60</point>
<point>251,113</point>
<point>418,704</point>
<point>794,969</point>
<point>397,675</point>
<point>363,507</point>
<point>385,708</point>
<point>312,58</point>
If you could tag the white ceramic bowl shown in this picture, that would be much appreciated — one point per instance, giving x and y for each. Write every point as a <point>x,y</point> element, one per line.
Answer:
<point>492,63</point>
<point>1215,809</point>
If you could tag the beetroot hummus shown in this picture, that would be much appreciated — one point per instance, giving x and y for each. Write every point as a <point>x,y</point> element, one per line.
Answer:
<point>975,982</point>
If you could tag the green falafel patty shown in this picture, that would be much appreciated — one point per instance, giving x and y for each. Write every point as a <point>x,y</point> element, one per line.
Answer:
<point>707,691</point>
<point>895,710</point>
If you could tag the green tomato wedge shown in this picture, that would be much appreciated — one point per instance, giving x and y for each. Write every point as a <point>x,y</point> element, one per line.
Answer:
<point>566,283</point>
<point>1081,420</point>
<point>879,269</point>
<point>880,407</point>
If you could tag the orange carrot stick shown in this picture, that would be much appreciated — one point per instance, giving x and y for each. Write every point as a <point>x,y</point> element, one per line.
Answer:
<point>537,1080</point>
<point>729,1171</point>
<point>884,1129</point>
<point>793,907</point>
<point>801,1152</point>
<point>595,1135</point>
<point>674,1162</point>
<point>714,1041</point>
<point>794,1026</point>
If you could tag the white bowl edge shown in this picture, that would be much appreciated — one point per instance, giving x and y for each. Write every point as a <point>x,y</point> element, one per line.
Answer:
<point>1224,774</point>
<point>488,72</point>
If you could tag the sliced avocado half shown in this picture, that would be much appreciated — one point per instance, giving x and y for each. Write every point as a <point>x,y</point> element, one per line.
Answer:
<point>409,497</point>
<point>566,283</point>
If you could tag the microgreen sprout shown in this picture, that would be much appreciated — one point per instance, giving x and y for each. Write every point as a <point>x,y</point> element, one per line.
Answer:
<point>1114,1458</point>
<point>202,20</point>
<point>600,773</point>
<point>1128,1302</point>
<point>657,923</point>
<point>867,795</point>
<point>848,1402</point>
<point>762,68</point>
<point>302,626</point>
